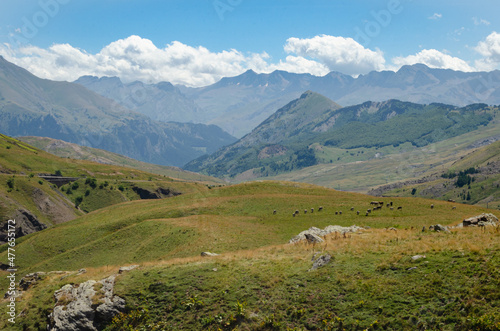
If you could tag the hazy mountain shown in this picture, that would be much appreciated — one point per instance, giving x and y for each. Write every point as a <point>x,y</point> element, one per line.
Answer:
<point>297,134</point>
<point>38,107</point>
<point>162,101</point>
<point>238,104</point>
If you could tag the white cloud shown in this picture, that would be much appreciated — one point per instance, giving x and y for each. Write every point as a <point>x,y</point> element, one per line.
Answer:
<point>490,49</point>
<point>134,58</point>
<point>436,16</point>
<point>337,54</point>
<point>480,21</point>
<point>433,59</point>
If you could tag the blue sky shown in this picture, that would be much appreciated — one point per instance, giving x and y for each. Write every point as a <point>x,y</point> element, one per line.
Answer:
<point>196,42</point>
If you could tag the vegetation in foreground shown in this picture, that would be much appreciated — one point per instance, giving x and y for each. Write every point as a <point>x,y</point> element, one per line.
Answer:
<point>259,282</point>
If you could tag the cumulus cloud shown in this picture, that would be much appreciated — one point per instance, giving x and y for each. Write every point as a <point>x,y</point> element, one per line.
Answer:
<point>433,59</point>
<point>134,58</point>
<point>337,54</point>
<point>490,49</point>
<point>436,16</point>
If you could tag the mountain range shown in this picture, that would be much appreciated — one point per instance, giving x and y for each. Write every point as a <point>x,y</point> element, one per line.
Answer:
<point>310,129</point>
<point>238,104</point>
<point>67,111</point>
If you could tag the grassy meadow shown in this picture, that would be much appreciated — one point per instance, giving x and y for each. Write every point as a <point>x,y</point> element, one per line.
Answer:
<point>259,281</point>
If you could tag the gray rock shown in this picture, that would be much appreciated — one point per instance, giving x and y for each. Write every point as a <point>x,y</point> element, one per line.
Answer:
<point>321,233</point>
<point>86,306</point>
<point>128,268</point>
<point>486,218</point>
<point>418,257</point>
<point>313,239</point>
<point>208,254</point>
<point>30,279</point>
<point>439,227</point>
<point>321,261</point>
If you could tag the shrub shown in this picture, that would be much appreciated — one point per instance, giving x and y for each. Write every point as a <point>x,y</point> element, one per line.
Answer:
<point>78,201</point>
<point>10,183</point>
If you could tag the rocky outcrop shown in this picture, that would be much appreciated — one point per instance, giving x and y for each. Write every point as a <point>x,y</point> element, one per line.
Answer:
<point>481,220</point>
<point>321,233</point>
<point>87,306</point>
<point>26,223</point>
<point>321,261</point>
<point>159,193</point>
<point>30,279</point>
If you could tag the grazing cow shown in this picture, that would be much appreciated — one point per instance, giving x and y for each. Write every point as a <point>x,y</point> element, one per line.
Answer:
<point>352,208</point>
<point>392,208</point>
<point>369,211</point>
<point>297,212</point>
<point>320,208</point>
<point>390,203</point>
<point>312,210</point>
<point>274,212</point>
<point>293,214</point>
<point>305,211</point>
<point>400,208</point>
<point>357,212</point>
<point>453,207</point>
<point>432,206</point>
<point>336,213</point>
<point>340,212</point>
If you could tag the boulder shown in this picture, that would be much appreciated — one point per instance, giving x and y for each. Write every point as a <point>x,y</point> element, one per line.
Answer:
<point>439,227</point>
<point>418,257</point>
<point>87,306</point>
<point>481,220</point>
<point>208,254</point>
<point>30,279</point>
<point>128,268</point>
<point>313,239</point>
<point>321,261</point>
<point>321,233</point>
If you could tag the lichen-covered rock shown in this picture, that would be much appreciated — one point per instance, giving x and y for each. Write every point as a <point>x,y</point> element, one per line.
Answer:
<point>128,268</point>
<point>321,261</point>
<point>85,307</point>
<point>30,279</point>
<point>483,219</point>
<point>321,233</point>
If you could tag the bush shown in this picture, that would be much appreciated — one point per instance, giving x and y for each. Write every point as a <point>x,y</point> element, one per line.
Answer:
<point>75,186</point>
<point>92,182</point>
<point>78,201</point>
<point>10,183</point>
<point>58,173</point>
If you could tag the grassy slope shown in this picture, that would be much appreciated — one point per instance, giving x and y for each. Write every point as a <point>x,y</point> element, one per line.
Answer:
<point>368,280</point>
<point>364,170</point>
<point>484,190</point>
<point>22,163</point>
<point>69,150</point>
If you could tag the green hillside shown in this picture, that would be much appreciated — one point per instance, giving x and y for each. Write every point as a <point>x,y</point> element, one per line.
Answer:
<point>472,179</point>
<point>260,282</point>
<point>31,199</point>
<point>313,130</point>
<point>73,151</point>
